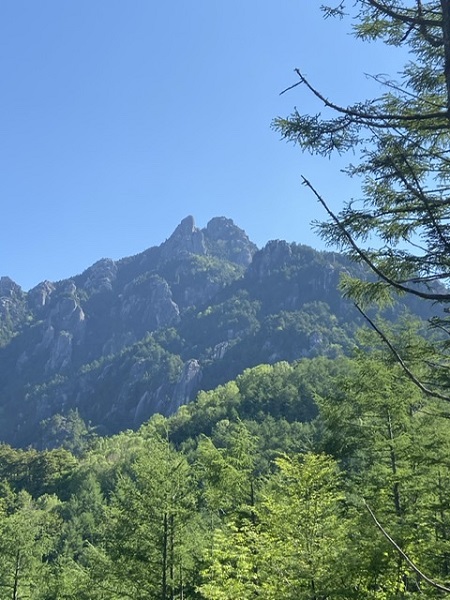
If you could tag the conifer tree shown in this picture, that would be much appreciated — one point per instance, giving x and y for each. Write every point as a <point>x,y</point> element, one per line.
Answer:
<point>27,531</point>
<point>399,227</point>
<point>385,433</point>
<point>150,546</point>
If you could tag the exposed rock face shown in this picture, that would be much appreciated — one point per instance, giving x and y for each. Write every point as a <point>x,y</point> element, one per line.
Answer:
<point>63,327</point>
<point>220,350</point>
<point>13,308</point>
<point>40,296</point>
<point>227,240</point>
<point>101,276</point>
<point>310,275</point>
<point>61,352</point>
<point>7,307</point>
<point>274,256</point>
<point>147,305</point>
<point>67,315</point>
<point>188,381</point>
<point>9,289</point>
<point>186,239</point>
<point>167,398</point>
<point>128,338</point>
<point>48,338</point>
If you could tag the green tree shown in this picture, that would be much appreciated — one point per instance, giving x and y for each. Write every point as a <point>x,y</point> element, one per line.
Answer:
<point>399,227</point>
<point>296,547</point>
<point>27,537</point>
<point>385,433</point>
<point>232,571</point>
<point>307,546</point>
<point>151,546</point>
<point>225,467</point>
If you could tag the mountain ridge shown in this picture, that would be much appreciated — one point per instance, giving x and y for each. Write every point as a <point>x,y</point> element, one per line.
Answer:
<point>125,339</point>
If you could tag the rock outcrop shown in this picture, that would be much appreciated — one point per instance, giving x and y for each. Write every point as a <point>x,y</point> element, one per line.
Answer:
<point>224,239</point>
<point>40,296</point>
<point>101,276</point>
<point>13,308</point>
<point>186,239</point>
<point>126,339</point>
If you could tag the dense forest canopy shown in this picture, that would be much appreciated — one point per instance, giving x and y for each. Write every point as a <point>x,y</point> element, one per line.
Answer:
<point>324,478</point>
<point>238,496</point>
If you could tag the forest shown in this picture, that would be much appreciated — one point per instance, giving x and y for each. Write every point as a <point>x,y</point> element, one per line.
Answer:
<point>269,486</point>
<point>326,477</point>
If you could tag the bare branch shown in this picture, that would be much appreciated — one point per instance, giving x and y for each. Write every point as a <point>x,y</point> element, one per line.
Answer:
<point>363,256</point>
<point>401,362</point>
<point>405,557</point>
<point>291,87</point>
<point>371,117</point>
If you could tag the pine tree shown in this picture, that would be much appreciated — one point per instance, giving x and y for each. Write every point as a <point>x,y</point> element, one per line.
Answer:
<point>399,228</point>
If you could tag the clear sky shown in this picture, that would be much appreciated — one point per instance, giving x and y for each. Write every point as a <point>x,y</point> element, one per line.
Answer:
<point>119,118</point>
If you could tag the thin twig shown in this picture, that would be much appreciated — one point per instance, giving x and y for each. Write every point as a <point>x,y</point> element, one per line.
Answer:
<point>366,259</point>
<point>401,362</point>
<point>291,87</point>
<point>413,566</point>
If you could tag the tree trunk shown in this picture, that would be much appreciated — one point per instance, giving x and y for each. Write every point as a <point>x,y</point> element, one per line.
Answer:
<point>445,6</point>
<point>164,559</point>
<point>172,557</point>
<point>395,487</point>
<point>15,591</point>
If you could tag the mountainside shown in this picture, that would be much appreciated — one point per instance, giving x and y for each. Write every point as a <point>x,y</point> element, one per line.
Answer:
<point>127,339</point>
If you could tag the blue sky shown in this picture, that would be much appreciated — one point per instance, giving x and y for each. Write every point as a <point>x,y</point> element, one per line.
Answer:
<point>118,119</point>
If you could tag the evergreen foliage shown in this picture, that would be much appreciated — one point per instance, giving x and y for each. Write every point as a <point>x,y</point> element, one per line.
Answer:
<point>236,496</point>
<point>399,226</point>
<point>325,478</point>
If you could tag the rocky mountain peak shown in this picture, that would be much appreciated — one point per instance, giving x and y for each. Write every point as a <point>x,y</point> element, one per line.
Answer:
<point>128,338</point>
<point>274,255</point>
<point>9,288</point>
<point>228,241</point>
<point>187,225</point>
<point>220,238</point>
<point>186,239</point>
<point>220,227</point>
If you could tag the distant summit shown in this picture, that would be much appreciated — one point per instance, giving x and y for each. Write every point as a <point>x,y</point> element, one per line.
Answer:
<point>126,339</point>
<point>221,238</point>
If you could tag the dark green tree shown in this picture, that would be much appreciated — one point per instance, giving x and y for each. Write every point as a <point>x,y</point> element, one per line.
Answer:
<point>384,431</point>
<point>27,539</point>
<point>150,547</point>
<point>399,227</point>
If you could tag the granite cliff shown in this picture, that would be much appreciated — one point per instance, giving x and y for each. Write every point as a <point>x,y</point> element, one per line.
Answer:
<point>128,338</point>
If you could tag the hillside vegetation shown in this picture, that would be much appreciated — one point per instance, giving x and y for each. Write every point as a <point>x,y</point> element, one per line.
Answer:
<point>128,339</point>
<point>260,487</point>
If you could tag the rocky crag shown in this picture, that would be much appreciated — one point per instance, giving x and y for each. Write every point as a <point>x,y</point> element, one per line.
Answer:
<point>129,338</point>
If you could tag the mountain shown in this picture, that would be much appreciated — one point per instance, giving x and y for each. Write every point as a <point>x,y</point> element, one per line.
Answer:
<point>129,338</point>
